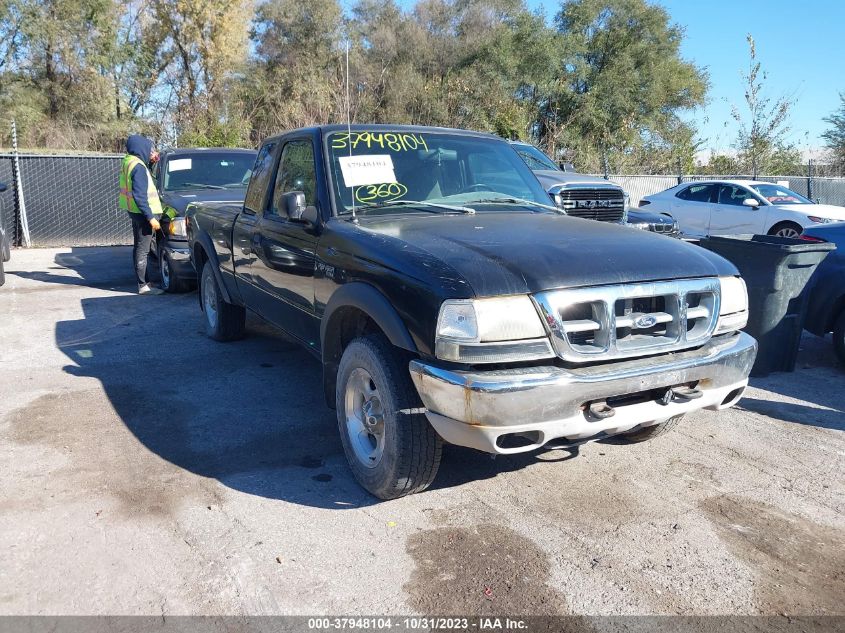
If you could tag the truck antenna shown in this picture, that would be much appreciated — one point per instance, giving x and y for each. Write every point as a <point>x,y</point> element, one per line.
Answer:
<point>349,128</point>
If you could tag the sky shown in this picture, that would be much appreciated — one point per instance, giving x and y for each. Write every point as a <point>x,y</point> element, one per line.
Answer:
<point>800,44</point>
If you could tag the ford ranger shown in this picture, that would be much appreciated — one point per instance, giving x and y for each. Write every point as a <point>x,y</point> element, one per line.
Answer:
<point>449,301</point>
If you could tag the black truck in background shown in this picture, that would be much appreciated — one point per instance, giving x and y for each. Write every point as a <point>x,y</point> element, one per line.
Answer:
<point>448,300</point>
<point>186,176</point>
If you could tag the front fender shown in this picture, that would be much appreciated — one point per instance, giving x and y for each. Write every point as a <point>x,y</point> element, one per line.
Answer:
<point>365,298</point>
<point>203,241</point>
<point>375,305</point>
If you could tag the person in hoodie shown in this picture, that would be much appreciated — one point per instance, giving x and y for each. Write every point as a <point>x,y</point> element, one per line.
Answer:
<point>139,197</point>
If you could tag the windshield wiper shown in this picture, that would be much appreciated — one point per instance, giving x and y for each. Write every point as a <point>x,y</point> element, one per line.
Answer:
<point>199,185</point>
<point>420,203</point>
<point>513,200</point>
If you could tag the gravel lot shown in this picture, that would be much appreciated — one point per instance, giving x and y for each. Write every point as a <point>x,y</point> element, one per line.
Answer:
<point>149,470</point>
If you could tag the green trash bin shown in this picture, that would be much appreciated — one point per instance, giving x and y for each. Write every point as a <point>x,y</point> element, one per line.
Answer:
<point>776,271</point>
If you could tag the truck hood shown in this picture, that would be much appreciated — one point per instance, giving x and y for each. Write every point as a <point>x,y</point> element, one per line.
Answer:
<point>829,211</point>
<point>180,200</point>
<point>550,177</point>
<point>518,253</point>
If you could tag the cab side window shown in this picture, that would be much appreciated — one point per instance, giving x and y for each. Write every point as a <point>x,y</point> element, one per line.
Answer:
<point>261,174</point>
<point>296,173</point>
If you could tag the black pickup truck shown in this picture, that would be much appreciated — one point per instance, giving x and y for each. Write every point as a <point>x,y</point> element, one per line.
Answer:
<point>449,300</point>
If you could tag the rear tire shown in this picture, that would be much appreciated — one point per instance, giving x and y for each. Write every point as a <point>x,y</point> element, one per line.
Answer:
<point>170,281</point>
<point>391,453</point>
<point>839,337</point>
<point>650,432</point>
<point>223,321</point>
<point>786,229</point>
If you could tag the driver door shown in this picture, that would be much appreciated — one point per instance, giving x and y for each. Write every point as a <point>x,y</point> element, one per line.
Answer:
<point>283,270</point>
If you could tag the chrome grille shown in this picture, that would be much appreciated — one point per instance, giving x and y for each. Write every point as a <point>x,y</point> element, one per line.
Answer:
<point>592,202</point>
<point>608,322</point>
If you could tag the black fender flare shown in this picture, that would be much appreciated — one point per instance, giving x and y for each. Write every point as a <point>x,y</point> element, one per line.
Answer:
<point>203,241</point>
<point>377,307</point>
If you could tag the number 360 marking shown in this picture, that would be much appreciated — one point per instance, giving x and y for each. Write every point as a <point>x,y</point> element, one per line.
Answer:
<point>385,191</point>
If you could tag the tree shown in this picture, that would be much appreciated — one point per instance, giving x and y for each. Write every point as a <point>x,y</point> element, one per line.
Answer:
<point>621,80</point>
<point>763,135</point>
<point>296,78</point>
<point>834,136</point>
<point>205,45</point>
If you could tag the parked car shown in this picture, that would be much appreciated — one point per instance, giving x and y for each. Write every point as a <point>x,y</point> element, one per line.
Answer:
<point>185,176</point>
<point>581,196</point>
<point>5,240</point>
<point>654,222</point>
<point>448,301</point>
<point>735,207</point>
<point>826,309</point>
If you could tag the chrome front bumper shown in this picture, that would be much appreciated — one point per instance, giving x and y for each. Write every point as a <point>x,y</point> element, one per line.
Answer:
<point>477,408</point>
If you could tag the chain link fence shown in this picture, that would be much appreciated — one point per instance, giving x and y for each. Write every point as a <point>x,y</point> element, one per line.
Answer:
<point>72,200</point>
<point>68,200</point>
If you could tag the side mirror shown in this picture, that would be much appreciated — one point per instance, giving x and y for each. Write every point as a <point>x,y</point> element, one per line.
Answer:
<point>293,203</point>
<point>751,202</point>
<point>564,166</point>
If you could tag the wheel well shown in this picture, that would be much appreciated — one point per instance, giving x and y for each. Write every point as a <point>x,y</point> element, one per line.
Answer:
<point>199,257</point>
<point>345,324</point>
<point>783,223</point>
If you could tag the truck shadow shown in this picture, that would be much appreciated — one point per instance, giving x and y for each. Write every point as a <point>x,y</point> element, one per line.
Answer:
<point>249,414</point>
<point>101,267</point>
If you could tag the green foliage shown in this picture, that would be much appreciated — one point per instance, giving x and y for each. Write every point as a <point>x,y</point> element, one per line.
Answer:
<point>606,81</point>
<point>621,81</point>
<point>761,140</point>
<point>834,136</point>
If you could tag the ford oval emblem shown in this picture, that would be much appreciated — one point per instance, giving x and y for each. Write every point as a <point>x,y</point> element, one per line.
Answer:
<point>644,322</point>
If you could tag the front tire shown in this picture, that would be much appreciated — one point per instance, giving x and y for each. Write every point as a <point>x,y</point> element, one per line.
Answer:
<point>170,281</point>
<point>786,229</point>
<point>650,432</point>
<point>391,451</point>
<point>839,337</point>
<point>223,321</point>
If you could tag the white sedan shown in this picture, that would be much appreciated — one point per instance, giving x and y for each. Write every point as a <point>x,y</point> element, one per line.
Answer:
<point>733,207</point>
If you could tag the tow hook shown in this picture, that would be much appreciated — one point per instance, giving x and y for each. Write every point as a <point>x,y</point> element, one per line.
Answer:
<point>601,410</point>
<point>680,394</point>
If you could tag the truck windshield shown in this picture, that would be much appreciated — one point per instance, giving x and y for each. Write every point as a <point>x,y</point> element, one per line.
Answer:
<point>209,170</point>
<point>441,169</point>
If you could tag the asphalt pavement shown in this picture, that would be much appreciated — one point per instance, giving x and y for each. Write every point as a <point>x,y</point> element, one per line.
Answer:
<point>149,470</point>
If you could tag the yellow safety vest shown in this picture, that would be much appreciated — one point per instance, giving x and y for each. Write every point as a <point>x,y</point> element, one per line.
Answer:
<point>127,202</point>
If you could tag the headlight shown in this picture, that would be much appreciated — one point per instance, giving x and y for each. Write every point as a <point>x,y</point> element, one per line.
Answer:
<point>176,228</point>
<point>818,220</point>
<point>501,329</point>
<point>733,313</point>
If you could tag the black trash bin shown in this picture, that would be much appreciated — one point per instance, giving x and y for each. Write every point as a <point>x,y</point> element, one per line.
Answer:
<point>776,271</point>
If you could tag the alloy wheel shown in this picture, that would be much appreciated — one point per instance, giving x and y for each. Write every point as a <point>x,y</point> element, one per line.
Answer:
<point>364,418</point>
